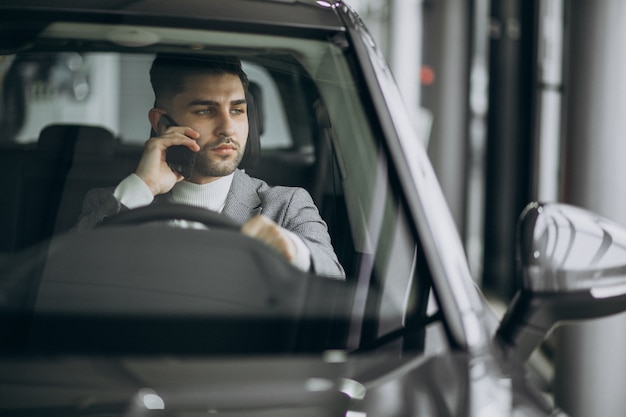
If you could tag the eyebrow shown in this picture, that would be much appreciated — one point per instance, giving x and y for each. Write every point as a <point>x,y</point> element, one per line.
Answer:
<point>215,103</point>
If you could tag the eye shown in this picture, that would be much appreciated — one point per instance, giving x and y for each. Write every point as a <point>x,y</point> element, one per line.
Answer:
<point>238,110</point>
<point>205,112</point>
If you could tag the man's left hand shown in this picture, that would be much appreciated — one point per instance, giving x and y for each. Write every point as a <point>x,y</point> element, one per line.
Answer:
<point>264,229</point>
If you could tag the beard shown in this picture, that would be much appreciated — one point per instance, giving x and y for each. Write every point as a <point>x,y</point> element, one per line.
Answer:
<point>209,165</point>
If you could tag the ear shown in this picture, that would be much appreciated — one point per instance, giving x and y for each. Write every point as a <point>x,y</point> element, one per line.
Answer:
<point>154,115</point>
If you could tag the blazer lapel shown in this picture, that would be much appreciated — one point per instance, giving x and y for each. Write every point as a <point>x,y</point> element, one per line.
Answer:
<point>242,201</point>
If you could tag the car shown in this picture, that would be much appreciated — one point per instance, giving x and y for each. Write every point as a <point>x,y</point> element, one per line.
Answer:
<point>135,317</point>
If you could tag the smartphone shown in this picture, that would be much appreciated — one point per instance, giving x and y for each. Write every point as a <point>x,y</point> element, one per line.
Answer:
<point>179,157</point>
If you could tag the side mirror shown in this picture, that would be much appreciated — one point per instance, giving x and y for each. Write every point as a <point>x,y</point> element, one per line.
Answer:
<point>573,267</point>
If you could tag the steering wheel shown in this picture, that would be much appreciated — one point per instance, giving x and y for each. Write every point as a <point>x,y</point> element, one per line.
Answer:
<point>162,212</point>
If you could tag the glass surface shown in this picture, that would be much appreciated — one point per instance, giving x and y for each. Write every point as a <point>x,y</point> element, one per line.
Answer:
<point>317,132</point>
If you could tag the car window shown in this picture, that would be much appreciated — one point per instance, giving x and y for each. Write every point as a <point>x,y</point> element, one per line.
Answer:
<point>111,90</point>
<point>79,121</point>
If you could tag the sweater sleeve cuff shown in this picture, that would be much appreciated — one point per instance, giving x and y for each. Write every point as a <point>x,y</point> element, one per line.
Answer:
<point>302,260</point>
<point>132,192</point>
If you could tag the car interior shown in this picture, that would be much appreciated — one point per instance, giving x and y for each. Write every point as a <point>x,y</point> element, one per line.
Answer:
<point>292,142</point>
<point>51,175</point>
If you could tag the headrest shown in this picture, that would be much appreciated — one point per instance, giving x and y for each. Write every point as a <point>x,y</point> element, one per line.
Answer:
<point>253,146</point>
<point>75,139</point>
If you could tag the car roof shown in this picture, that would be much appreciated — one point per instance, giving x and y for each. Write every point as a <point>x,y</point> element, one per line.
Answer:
<point>303,14</point>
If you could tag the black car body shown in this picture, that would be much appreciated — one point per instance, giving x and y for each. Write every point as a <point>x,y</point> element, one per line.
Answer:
<point>126,319</point>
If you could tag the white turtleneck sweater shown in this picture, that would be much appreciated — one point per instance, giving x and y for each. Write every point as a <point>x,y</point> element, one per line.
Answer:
<point>133,192</point>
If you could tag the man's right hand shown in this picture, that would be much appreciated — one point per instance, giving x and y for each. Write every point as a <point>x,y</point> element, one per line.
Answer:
<point>153,168</point>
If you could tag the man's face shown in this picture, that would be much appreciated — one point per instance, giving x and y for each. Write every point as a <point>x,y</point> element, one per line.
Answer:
<point>215,106</point>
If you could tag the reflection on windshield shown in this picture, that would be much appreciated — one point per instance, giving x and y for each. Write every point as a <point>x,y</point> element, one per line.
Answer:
<point>81,125</point>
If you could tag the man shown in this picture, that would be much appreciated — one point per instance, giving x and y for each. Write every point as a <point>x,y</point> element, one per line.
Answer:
<point>201,104</point>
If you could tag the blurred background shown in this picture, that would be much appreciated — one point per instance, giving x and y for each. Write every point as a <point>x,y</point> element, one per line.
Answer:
<point>521,100</point>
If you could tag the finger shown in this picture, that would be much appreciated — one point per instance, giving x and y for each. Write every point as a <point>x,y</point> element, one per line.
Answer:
<point>184,130</point>
<point>173,138</point>
<point>189,132</point>
<point>270,233</point>
<point>254,226</point>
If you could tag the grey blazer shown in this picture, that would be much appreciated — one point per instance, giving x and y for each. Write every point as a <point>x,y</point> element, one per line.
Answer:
<point>290,207</point>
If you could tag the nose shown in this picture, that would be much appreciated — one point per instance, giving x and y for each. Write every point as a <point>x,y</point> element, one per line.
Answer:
<point>225,125</point>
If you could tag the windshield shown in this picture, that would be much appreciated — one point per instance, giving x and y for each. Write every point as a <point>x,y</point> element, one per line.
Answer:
<point>78,109</point>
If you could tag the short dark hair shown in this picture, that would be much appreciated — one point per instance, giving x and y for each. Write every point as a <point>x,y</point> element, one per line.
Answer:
<point>169,71</point>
